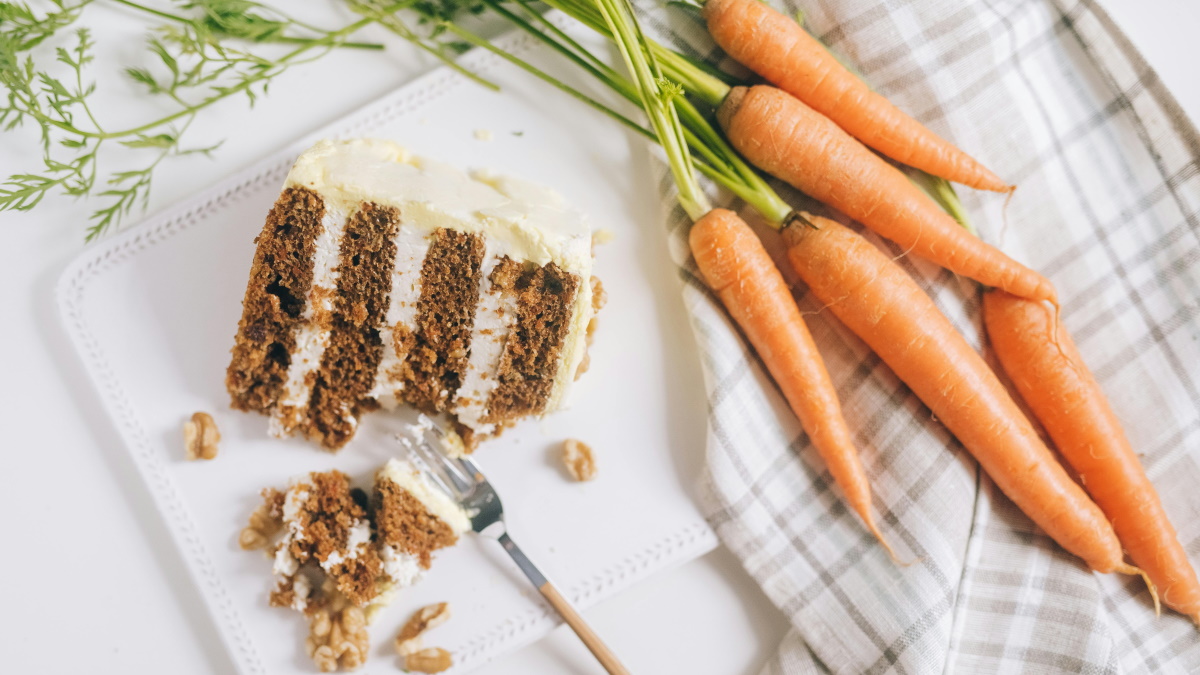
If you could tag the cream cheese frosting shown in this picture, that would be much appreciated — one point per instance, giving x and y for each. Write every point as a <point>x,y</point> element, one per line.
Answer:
<point>526,220</point>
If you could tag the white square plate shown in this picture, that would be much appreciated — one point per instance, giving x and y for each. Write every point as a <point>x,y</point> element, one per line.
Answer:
<point>153,313</point>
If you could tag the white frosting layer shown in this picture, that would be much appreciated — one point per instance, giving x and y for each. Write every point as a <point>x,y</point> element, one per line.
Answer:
<point>301,589</point>
<point>436,502</point>
<point>411,247</point>
<point>494,317</point>
<point>312,335</point>
<point>403,569</point>
<point>528,221</point>
<point>286,564</point>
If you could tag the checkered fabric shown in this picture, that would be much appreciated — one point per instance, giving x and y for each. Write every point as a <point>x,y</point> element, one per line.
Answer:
<point>1052,97</point>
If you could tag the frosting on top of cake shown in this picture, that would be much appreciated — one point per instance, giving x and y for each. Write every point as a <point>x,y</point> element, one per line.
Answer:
<point>525,220</point>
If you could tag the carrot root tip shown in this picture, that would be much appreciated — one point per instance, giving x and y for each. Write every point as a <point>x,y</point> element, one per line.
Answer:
<point>1131,570</point>
<point>887,547</point>
<point>1195,619</point>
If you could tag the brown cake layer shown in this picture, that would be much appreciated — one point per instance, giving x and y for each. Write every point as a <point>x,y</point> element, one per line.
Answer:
<point>347,371</point>
<point>280,279</point>
<point>403,523</point>
<point>437,351</point>
<point>529,364</point>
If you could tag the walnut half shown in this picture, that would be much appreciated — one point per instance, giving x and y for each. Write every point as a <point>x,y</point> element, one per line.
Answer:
<point>338,638</point>
<point>577,457</point>
<point>201,436</point>
<point>408,641</point>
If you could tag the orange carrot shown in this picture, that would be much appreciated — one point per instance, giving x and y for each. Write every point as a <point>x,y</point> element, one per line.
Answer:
<point>1063,395</point>
<point>881,304</point>
<point>737,268</point>
<point>780,50</point>
<point>791,141</point>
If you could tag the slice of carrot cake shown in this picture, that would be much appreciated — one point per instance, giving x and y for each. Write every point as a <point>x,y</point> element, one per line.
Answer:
<point>341,555</point>
<point>413,518</point>
<point>381,277</point>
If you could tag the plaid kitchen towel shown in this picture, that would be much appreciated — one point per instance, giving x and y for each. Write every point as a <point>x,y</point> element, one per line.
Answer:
<point>1054,98</point>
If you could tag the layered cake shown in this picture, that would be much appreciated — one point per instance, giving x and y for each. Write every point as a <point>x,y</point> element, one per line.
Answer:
<point>381,277</point>
<point>340,554</point>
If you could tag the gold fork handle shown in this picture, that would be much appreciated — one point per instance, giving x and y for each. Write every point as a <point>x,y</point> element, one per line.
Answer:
<point>592,641</point>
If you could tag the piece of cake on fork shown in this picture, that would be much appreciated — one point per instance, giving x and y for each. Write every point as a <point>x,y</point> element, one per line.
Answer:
<point>381,277</point>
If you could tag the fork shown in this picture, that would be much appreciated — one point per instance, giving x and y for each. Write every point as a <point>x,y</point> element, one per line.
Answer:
<point>461,479</point>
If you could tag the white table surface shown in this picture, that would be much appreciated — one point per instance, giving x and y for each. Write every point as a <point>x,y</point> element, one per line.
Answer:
<point>104,591</point>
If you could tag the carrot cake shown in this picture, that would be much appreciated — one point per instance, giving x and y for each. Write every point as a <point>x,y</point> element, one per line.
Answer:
<point>381,278</point>
<point>341,554</point>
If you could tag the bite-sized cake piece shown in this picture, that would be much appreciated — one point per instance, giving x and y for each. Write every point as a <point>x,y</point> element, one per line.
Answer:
<point>340,555</point>
<point>382,278</point>
<point>413,518</point>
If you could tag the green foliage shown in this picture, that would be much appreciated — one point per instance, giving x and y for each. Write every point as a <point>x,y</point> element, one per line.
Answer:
<point>194,62</point>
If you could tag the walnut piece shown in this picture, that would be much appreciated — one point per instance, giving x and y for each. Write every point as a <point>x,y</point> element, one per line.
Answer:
<point>201,436</point>
<point>577,457</point>
<point>410,646</point>
<point>408,641</point>
<point>337,637</point>
<point>432,660</point>
<point>265,523</point>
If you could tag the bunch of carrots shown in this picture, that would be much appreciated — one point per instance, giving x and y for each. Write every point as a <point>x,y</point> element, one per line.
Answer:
<point>818,127</point>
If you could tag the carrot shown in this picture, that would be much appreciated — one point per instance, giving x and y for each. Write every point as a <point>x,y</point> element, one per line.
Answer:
<point>738,269</point>
<point>780,50</point>
<point>791,141</point>
<point>1065,397</point>
<point>881,304</point>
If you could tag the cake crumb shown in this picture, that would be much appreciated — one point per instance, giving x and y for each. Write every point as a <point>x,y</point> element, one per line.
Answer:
<point>201,436</point>
<point>432,660</point>
<point>603,236</point>
<point>577,458</point>
<point>484,135</point>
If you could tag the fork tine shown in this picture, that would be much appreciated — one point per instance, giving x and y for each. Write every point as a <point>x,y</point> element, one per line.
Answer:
<point>471,468</point>
<point>418,454</point>
<point>464,483</point>
<point>436,443</point>
<point>464,479</point>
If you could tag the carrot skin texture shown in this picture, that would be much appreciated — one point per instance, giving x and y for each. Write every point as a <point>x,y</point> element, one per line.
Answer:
<point>1065,397</point>
<point>881,304</point>
<point>738,269</point>
<point>781,51</point>
<point>798,145</point>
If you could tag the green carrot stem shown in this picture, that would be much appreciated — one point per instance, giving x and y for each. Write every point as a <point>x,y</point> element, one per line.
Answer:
<point>477,41</point>
<point>659,105</point>
<point>281,38</point>
<point>696,80</point>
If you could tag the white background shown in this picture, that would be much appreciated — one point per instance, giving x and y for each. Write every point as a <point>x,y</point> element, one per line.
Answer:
<point>89,581</point>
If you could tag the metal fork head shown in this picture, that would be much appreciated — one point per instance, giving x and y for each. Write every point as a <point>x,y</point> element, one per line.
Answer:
<point>459,477</point>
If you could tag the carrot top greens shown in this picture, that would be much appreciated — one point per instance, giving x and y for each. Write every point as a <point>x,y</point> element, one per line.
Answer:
<point>206,51</point>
